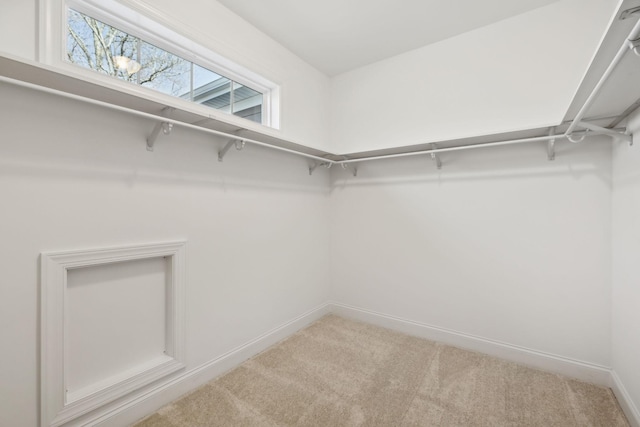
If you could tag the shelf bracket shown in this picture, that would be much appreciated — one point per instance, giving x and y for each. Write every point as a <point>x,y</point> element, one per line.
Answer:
<point>634,45</point>
<point>612,133</point>
<point>315,165</point>
<point>239,143</point>
<point>551,145</point>
<point>630,13</point>
<point>577,137</point>
<point>435,157</point>
<point>353,170</point>
<point>165,127</point>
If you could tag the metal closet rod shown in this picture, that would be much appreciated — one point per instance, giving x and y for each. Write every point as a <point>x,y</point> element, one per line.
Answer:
<point>154,117</point>
<point>626,46</point>
<point>458,148</point>
<point>323,160</point>
<point>608,132</point>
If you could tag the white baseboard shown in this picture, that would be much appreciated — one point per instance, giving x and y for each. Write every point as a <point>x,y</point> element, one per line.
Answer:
<point>625,401</point>
<point>152,399</point>
<point>141,404</point>
<point>583,371</point>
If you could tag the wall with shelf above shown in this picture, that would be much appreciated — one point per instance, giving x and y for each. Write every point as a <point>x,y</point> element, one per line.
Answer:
<point>500,244</point>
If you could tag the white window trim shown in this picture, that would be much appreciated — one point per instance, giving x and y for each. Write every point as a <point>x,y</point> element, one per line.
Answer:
<point>155,29</point>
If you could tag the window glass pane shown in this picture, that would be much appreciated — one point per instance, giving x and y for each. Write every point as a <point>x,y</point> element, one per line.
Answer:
<point>95,45</point>
<point>211,89</point>
<point>101,47</point>
<point>164,71</point>
<point>247,103</point>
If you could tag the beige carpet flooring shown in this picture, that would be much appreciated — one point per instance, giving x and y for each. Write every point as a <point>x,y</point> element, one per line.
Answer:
<point>339,372</point>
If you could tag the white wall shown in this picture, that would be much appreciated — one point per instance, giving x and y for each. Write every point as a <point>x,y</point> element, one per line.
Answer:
<point>515,74</point>
<point>74,177</point>
<point>18,29</point>
<point>626,276</point>
<point>500,244</point>
<point>496,234</point>
<point>304,114</point>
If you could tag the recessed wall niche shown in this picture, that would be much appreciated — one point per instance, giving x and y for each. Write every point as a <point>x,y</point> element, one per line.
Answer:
<point>111,323</point>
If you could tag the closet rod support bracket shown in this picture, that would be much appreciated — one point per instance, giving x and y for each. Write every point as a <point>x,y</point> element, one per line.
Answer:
<point>634,45</point>
<point>435,157</point>
<point>315,165</point>
<point>576,137</point>
<point>612,133</point>
<point>228,145</point>
<point>165,127</point>
<point>551,145</point>
<point>629,13</point>
<point>353,170</point>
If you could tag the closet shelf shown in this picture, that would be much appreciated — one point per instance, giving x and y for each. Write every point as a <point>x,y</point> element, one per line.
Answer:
<point>44,78</point>
<point>39,77</point>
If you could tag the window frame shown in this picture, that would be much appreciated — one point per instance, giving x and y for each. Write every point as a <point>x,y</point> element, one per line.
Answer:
<point>150,27</point>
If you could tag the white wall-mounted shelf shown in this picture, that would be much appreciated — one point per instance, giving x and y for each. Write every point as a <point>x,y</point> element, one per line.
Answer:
<point>44,78</point>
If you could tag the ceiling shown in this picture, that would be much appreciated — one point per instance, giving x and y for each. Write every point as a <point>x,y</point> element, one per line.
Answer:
<point>336,36</point>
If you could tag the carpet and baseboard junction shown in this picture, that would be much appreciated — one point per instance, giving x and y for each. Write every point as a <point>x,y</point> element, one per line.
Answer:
<point>340,372</point>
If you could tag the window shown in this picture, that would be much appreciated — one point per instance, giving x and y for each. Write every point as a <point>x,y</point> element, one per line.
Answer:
<point>106,41</point>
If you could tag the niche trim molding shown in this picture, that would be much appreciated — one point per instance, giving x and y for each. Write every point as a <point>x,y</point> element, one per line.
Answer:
<point>59,406</point>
